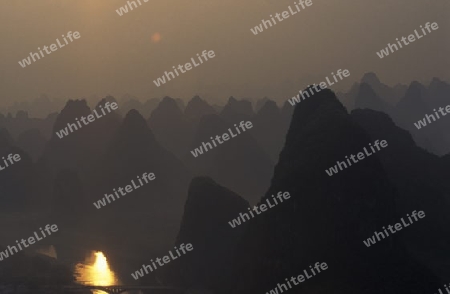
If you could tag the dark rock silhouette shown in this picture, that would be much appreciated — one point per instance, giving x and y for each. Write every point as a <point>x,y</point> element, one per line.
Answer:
<point>22,122</point>
<point>286,112</point>
<point>422,184</point>
<point>170,127</point>
<point>348,99</point>
<point>208,209</point>
<point>151,212</point>
<point>196,109</point>
<point>327,218</point>
<point>389,95</point>
<point>260,104</point>
<point>80,150</point>
<point>367,98</point>
<point>269,129</point>
<point>412,108</point>
<point>438,93</point>
<point>33,272</point>
<point>218,108</point>
<point>69,200</point>
<point>180,103</point>
<point>236,111</point>
<point>18,182</point>
<point>6,141</point>
<point>149,106</point>
<point>130,104</point>
<point>32,142</point>
<point>239,163</point>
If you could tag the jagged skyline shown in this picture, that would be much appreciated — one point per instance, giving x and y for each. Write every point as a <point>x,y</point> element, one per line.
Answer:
<point>102,137</point>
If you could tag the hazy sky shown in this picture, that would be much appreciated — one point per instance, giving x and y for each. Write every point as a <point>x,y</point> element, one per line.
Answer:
<point>116,55</point>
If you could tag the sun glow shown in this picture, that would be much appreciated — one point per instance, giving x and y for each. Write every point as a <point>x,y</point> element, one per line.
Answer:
<point>156,37</point>
<point>95,271</point>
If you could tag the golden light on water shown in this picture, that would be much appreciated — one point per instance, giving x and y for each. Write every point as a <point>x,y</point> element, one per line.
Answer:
<point>95,271</point>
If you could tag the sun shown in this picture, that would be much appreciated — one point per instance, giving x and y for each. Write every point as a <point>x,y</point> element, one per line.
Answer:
<point>156,37</point>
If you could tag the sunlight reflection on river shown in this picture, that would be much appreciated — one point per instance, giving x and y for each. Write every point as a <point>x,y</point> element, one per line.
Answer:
<point>95,271</point>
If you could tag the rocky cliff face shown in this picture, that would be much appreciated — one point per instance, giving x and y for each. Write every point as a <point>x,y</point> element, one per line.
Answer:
<point>328,217</point>
<point>209,208</point>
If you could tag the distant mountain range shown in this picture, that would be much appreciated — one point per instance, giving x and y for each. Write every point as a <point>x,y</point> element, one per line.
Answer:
<point>192,198</point>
